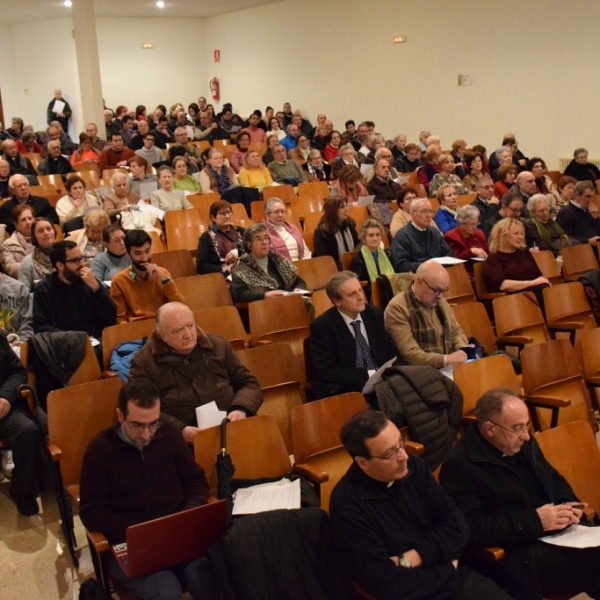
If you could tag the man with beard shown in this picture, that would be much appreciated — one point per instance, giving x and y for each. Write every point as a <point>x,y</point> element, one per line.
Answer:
<point>71,298</point>
<point>139,290</point>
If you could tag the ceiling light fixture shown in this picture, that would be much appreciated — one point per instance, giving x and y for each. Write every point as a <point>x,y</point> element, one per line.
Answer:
<point>160,4</point>
<point>68,3</point>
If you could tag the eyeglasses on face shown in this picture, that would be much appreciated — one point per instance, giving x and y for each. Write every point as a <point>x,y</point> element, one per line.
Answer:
<point>139,427</point>
<point>516,430</point>
<point>74,260</point>
<point>392,453</point>
<point>436,291</point>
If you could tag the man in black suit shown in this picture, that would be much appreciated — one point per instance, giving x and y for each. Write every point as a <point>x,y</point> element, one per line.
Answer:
<point>20,193</point>
<point>336,351</point>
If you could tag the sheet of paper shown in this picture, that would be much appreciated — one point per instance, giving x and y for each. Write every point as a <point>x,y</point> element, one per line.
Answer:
<point>448,372</point>
<point>365,200</point>
<point>402,179</point>
<point>365,169</point>
<point>148,208</point>
<point>448,260</point>
<point>298,293</point>
<point>283,494</point>
<point>147,188</point>
<point>376,377</point>
<point>189,130</point>
<point>208,415</point>
<point>575,536</point>
<point>58,106</point>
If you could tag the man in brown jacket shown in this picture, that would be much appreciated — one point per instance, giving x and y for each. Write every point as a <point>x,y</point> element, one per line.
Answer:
<point>191,368</point>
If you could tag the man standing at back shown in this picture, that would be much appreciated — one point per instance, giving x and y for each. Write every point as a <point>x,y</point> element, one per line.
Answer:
<point>137,471</point>
<point>139,290</point>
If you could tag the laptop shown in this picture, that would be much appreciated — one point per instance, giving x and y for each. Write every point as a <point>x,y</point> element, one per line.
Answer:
<point>171,540</point>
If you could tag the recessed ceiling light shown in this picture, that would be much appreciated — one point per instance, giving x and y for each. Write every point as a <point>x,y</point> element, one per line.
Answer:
<point>160,4</point>
<point>68,3</point>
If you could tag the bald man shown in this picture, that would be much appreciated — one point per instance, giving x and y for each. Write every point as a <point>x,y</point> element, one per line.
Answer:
<point>422,323</point>
<point>526,187</point>
<point>191,368</point>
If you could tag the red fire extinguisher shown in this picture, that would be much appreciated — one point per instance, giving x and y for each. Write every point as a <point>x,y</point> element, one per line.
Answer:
<point>214,88</point>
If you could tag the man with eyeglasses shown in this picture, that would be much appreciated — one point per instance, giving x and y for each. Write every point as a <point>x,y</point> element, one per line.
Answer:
<point>511,496</point>
<point>71,298</point>
<point>511,205</point>
<point>140,470</point>
<point>422,323</point>
<point>579,218</point>
<point>418,241</point>
<point>398,533</point>
<point>486,202</point>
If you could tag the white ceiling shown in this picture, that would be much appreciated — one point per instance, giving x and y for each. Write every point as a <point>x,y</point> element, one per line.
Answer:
<point>28,11</point>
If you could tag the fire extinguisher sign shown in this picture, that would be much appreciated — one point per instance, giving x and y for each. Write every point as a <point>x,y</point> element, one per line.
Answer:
<point>217,54</point>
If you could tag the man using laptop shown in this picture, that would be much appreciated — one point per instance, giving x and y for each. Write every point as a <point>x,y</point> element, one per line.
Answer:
<point>136,471</point>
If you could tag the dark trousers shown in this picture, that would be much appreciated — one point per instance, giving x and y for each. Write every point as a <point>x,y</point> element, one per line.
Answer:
<point>23,437</point>
<point>477,587</point>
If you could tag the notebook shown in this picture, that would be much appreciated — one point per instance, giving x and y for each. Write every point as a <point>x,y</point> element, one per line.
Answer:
<point>171,540</point>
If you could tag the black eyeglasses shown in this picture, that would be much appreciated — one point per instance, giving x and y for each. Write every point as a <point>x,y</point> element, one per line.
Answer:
<point>435,290</point>
<point>151,427</point>
<point>74,260</point>
<point>394,452</point>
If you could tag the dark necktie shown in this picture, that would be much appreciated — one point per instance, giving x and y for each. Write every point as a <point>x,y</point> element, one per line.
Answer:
<point>363,354</point>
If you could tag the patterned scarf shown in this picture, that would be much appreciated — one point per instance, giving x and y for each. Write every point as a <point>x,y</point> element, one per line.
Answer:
<point>225,241</point>
<point>423,331</point>
<point>545,228</point>
<point>221,178</point>
<point>344,240</point>
<point>255,278</point>
<point>41,263</point>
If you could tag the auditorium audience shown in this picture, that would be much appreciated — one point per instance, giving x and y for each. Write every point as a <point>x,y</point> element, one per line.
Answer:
<point>286,238</point>
<point>445,216</point>
<point>167,198</point>
<point>36,265</point>
<point>465,240</point>
<point>76,202</point>
<point>446,176</point>
<point>216,176</point>
<point>89,237</point>
<point>182,180</point>
<point>580,169</point>
<point>18,245</point>
<point>254,174</point>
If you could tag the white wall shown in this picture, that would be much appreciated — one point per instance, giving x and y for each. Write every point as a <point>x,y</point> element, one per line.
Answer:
<point>533,66</point>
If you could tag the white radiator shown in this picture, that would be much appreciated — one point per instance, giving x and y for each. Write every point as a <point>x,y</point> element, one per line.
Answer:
<point>564,162</point>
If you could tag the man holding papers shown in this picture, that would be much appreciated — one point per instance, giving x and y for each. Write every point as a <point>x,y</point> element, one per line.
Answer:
<point>511,496</point>
<point>349,341</point>
<point>191,368</point>
<point>137,471</point>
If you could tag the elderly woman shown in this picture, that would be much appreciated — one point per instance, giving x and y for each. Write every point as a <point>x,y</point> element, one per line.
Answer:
<point>254,174</point>
<point>85,153</point>
<point>302,150</point>
<point>237,158</point>
<point>459,148</point>
<point>215,176</point>
<point>402,215</point>
<point>120,199</point>
<point>507,173</point>
<point>286,239</point>
<point>445,217</point>
<point>474,164</point>
<point>542,230</point>
<point>371,260</point>
<point>262,273</point>
<point>446,176</point>
<point>347,156</point>
<point>18,245</point>
<point>89,239</point>
<point>336,232</point>
<point>566,190</point>
<point>332,150</point>
<point>76,201</point>
<point>430,167</point>
<point>315,167</point>
<point>580,168</point>
<point>220,246</point>
<point>37,265</point>
<point>510,267</point>
<point>182,180</point>
<point>349,184</point>
<point>16,128</point>
<point>465,240</point>
<point>167,198</point>
<point>272,141</point>
<point>544,184</point>
<point>138,165</point>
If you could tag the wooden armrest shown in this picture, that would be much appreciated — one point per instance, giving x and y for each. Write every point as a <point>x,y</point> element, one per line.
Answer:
<point>414,448</point>
<point>548,401</point>
<point>589,514</point>
<point>108,375</point>
<point>514,340</point>
<point>468,420</point>
<point>594,380</point>
<point>256,343</point>
<point>311,473</point>
<point>55,452</point>
<point>492,554</point>
<point>241,305</point>
<point>99,542</point>
<point>491,295</point>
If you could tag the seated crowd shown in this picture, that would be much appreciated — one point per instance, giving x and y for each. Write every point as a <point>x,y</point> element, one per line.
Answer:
<point>83,262</point>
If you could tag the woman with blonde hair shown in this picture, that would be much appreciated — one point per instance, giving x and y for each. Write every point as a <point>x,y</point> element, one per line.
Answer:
<point>510,267</point>
<point>73,205</point>
<point>446,176</point>
<point>89,239</point>
<point>254,174</point>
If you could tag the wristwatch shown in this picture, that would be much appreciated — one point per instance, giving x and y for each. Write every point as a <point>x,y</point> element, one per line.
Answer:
<point>404,562</point>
